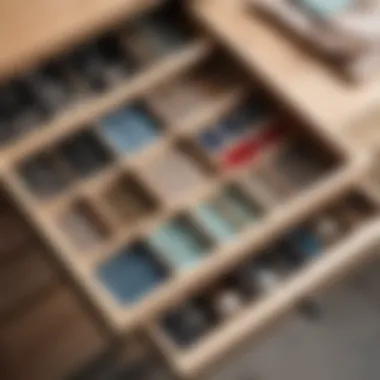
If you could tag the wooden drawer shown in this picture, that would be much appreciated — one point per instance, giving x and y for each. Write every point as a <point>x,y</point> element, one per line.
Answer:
<point>91,236</point>
<point>155,170</point>
<point>51,340</point>
<point>132,165</point>
<point>228,312</point>
<point>159,146</point>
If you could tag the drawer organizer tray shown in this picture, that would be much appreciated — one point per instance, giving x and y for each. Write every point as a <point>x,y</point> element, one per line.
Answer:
<point>275,278</point>
<point>150,168</point>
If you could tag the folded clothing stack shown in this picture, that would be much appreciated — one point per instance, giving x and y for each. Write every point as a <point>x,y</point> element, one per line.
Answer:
<point>345,31</point>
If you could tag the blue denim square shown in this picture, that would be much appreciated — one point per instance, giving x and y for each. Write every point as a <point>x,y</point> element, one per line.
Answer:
<point>131,274</point>
<point>130,130</point>
<point>306,242</point>
<point>211,140</point>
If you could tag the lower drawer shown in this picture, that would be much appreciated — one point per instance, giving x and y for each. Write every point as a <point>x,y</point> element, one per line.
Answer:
<point>23,279</point>
<point>50,341</point>
<point>199,333</point>
<point>16,235</point>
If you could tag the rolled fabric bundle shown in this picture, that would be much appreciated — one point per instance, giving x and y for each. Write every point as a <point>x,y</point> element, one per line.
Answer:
<point>345,31</point>
<point>360,23</point>
<point>349,23</point>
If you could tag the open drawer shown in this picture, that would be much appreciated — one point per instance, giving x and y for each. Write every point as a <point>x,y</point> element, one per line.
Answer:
<point>131,203</point>
<point>275,278</point>
<point>132,187</point>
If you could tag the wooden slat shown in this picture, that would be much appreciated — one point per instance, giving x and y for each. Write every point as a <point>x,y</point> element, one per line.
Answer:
<point>364,132</point>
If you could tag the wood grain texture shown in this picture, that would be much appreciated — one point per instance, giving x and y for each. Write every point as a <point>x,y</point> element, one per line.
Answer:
<point>22,280</point>
<point>50,341</point>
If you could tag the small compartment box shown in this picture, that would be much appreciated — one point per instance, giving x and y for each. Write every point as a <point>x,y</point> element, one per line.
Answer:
<point>174,174</point>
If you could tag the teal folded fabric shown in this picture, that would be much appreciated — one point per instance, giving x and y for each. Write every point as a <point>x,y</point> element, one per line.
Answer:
<point>243,209</point>
<point>214,224</point>
<point>180,245</point>
<point>226,214</point>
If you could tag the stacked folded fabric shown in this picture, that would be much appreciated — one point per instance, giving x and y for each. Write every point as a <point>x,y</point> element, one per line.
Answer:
<point>345,31</point>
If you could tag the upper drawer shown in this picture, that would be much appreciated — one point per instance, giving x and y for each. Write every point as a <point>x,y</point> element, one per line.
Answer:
<point>147,203</point>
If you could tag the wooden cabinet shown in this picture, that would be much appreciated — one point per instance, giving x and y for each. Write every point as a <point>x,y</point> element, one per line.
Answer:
<point>158,158</point>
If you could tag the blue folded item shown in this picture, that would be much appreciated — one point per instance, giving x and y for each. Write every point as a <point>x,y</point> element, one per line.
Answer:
<point>212,140</point>
<point>306,242</point>
<point>130,129</point>
<point>244,118</point>
<point>131,274</point>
